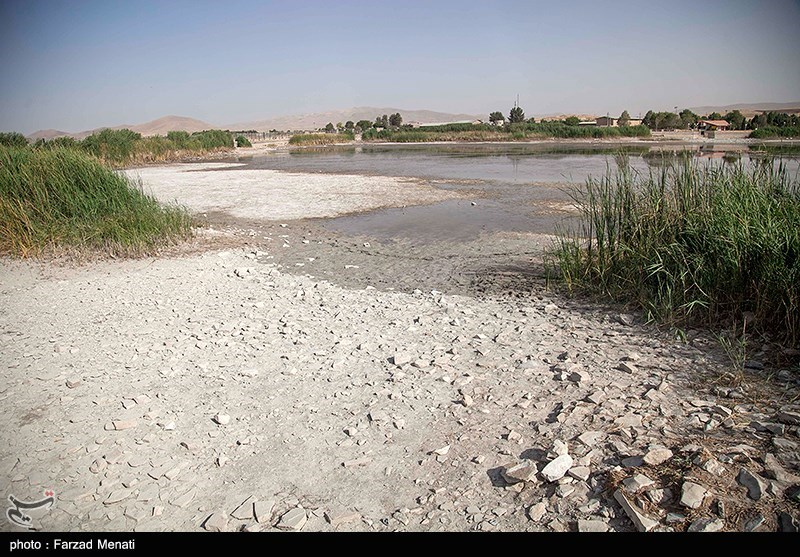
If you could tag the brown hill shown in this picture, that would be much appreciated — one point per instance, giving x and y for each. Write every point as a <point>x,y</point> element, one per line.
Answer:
<point>155,127</point>
<point>318,120</point>
<point>749,109</point>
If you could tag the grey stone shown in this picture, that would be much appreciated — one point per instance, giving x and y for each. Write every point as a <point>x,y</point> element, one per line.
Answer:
<point>580,472</point>
<point>642,522</point>
<point>244,511</point>
<point>706,525</point>
<point>787,417</point>
<point>788,523</point>
<point>537,511</point>
<point>636,482</point>
<point>556,468</point>
<point>520,472</point>
<point>775,470</point>
<point>714,466</point>
<point>692,495</point>
<point>335,518</point>
<point>657,455</point>
<point>263,510</point>
<point>592,526</point>
<point>294,519</point>
<point>590,438</point>
<point>754,484</point>
<point>217,522</point>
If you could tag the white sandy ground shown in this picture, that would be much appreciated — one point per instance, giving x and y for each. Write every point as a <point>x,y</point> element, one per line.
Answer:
<point>222,391</point>
<point>276,195</point>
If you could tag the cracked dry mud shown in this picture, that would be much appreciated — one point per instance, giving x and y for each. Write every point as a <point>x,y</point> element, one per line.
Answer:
<point>294,379</point>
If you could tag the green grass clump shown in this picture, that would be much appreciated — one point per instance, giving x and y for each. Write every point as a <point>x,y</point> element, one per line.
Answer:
<point>767,132</point>
<point>692,244</point>
<point>57,198</point>
<point>320,138</point>
<point>13,139</point>
<point>242,141</point>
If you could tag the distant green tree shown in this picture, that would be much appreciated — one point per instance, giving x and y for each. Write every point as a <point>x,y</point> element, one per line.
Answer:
<point>495,117</point>
<point>688,118</point>
<point>736,119</point>
<point>572,121</point>
<point>395,120</point>
<point>531,120</point>
<point>516,115</point>
<point>715,116</point>
<point>330,127</point>
<point>349,125</point>
<point>649,119</point>
<point>385,121</point>
<point>624,119</point>
<point>363,125</point>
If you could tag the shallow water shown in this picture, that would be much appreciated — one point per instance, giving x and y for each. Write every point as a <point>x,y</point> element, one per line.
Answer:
<point>516,187</point>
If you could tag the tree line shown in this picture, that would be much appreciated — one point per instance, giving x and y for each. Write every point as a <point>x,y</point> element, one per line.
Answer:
<point>385,121</point>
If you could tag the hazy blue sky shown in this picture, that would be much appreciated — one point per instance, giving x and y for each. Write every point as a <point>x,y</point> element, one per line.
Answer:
<point>75,65</point>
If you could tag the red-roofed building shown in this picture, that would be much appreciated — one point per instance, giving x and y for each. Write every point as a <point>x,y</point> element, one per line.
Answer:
<point>713,125</point>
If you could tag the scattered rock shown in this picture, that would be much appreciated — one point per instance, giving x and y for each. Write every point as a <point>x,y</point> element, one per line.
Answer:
<point>335,518</point>
<point>556,469</point>
<point>636,482</point>
<point>244,511</point>
<point>592,526</point>
<point>642,522</point>
<point>263,510</point>
<point>788,523</point>
<point>120,425</point>
<point>537,511</point>
<point>294,519</point>
<point>706,525</point>
<point>217,522</point>
<point>692,495</point>
<point>754,484</point>
<point>521,472</point>
<point>657,455</point>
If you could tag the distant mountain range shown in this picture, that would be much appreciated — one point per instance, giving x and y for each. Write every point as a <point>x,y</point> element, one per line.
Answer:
<point>318,120</point>
<point>748,109</point>
<point>155,127</point>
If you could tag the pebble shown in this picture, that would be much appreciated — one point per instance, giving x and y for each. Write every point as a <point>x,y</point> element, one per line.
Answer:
<point>537,511</point>
<point>557,468</point>
<point>222,419</point>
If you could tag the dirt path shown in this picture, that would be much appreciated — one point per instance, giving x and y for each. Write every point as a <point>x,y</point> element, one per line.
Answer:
<point>304,380</point>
